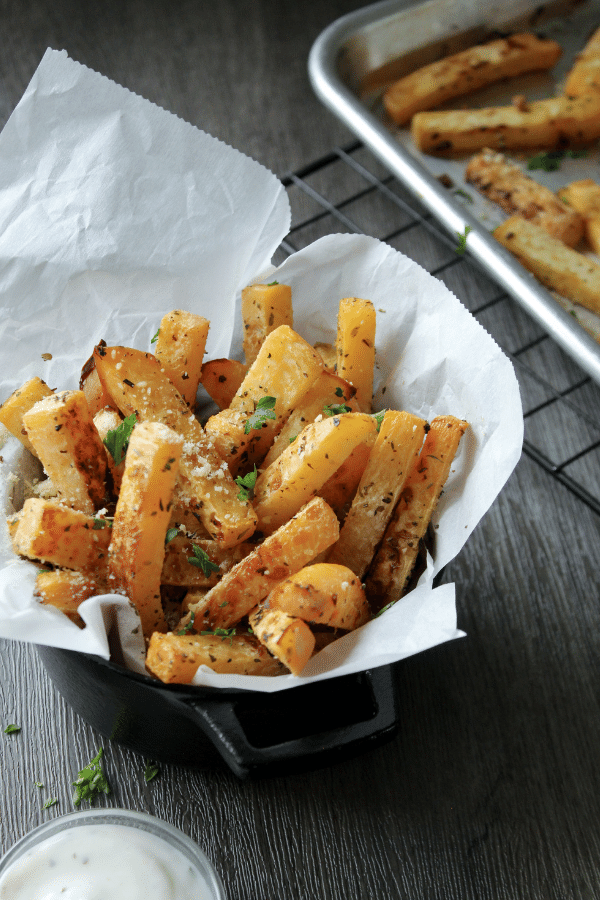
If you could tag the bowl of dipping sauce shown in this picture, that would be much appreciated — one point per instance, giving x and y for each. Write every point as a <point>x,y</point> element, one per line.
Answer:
<point>107,854</point>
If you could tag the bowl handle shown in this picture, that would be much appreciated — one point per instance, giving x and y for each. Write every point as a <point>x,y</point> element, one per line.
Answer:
<point>303,728</point>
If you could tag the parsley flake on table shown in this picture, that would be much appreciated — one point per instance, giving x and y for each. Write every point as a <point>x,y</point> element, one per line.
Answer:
<point>91,781</point>
<point>246,484</point>
<point>117,439</point>
<point>201,560</point>
<point>265,409</point>
<point>52,802</point>
<point>462,240</point>
<point>12,729</point>
<point>336,409</point>
<point>151,771</point>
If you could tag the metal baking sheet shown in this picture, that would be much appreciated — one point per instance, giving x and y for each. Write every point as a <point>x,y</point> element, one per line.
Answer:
<point>358,55</point>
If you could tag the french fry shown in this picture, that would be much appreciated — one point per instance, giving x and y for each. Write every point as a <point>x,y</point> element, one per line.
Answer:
<point>20,402</point>
<point>136,383</point>
<point>396,556</point>
<point>467,71</point>
<point>284,370</point>
<point>509,187</point>
<point>175,658</point>
<point>202,567</point>
<point>137,546</point>
<point>66,590</point>
<point>556,122</point>
<point>397,447</point>
<point>323,594</point>
<point>290,548</point>
<point>355,347</point>
<point>328,391</point>
<point>556,266</point>
<point>89,382</point>
<point>62,432</point>
<point>61,536</point>
<point>264,308</point>
<point>221,378</point>
<point>584,76</point>
<point>180,350</point>
<point>328,354</point>
<point>339,490</point>
<point>304,466</point>
<point>584,196</point>
<point>287,638</point>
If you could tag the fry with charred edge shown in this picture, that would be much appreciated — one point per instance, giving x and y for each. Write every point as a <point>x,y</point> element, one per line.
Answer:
<point>175,658</point>
<point>288,638</point>
<point>509,187</point>
<point>137,385</point>
<point>305,465</point>
<point>221,378</point>
<point>63,537</point>
<point>584,196</point>
<point>314,529</point>
<point>137,547</point>
<point>584,76</point>
<point>397,447</point>
<point>324,594</point>
<point>396,556</point>
<point>554,123</point>
<point>467,71</point>
<point>180,349</point>
<point>264,308</point>
<point>20,402</point>
<point>62,431</point>
<point>284,370</point>
<point>355,347</point>
<point>557,267</point>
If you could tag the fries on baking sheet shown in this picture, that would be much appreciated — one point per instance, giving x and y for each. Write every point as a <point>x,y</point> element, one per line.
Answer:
<point>242,545</point>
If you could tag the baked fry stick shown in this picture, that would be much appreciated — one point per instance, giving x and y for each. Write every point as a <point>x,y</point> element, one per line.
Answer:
<point>175,658</point>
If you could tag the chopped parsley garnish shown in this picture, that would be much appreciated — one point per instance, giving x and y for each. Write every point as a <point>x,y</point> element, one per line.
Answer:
<point>155,338</point>
<point>265,409</point>
<point>201,560</point>
<point>272,283</point>
<point>12,729</point>
<point>379,418</point>
<point>460,193</point>
<point>462,240</point>
<point>550,161</point>
<point>49,803</point>
<point>189,626</point>
<point>151,771</point>
<point>117,438</point>
<point>101,523</point>
<point>339,392</point>
<point>171,533</point>
<point>336,409</point>
<point>246,484</point>
<point>91,781</point>
<point>384,609</point>
<point>222,633</point>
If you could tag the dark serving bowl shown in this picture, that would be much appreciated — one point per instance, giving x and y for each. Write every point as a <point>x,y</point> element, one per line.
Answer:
<point>254,733</point>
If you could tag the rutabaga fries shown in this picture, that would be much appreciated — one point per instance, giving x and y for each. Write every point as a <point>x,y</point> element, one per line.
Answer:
<point>584,196</point>
<point>283,371</point>
<point>355,347</point>
<point>397,447</point>
<point>467,71</point>
<point>557,122</point>
<point>55,534</point>
<point>197,563</point>
<point>180,350</point>
<point>20,402</point>
<point>175,658</point>
<point>314,529</point>
<point>557,267</point>
<point>289,639</point>
<point>62,432</point>
<point>264,308</point>
<point>508,186</point>
<point>329,394</point>
<point>340,489</point>
<point>137,546</point>
<point>584,77</point>
<point>305,465</point>
<point>89,382</point>
<point>221,379</point>
<point>323,594</point>
<point>396,556</point>
<point>66,591</point>
<point>137,385</point>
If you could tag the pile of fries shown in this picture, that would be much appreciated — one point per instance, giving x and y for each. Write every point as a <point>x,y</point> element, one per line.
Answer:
<point>293,516</point>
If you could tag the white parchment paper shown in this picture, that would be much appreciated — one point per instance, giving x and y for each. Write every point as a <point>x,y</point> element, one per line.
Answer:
<point>113,212</point>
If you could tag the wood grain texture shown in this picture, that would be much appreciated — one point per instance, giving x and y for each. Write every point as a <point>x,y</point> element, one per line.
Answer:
<point>492,787</point>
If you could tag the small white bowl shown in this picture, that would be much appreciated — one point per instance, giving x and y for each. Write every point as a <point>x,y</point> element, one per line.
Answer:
<point>176,840</point>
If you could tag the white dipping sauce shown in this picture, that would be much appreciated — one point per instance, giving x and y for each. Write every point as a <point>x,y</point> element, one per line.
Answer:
<point>103,862</point>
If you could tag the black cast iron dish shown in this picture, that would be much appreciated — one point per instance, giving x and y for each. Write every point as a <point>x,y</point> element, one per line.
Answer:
<point>254,733</point>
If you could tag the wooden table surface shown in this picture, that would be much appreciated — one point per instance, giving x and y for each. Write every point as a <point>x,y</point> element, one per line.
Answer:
<point>491,789</point>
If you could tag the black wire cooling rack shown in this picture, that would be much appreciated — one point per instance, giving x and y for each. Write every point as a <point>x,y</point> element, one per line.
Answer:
<point>348,190</point>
